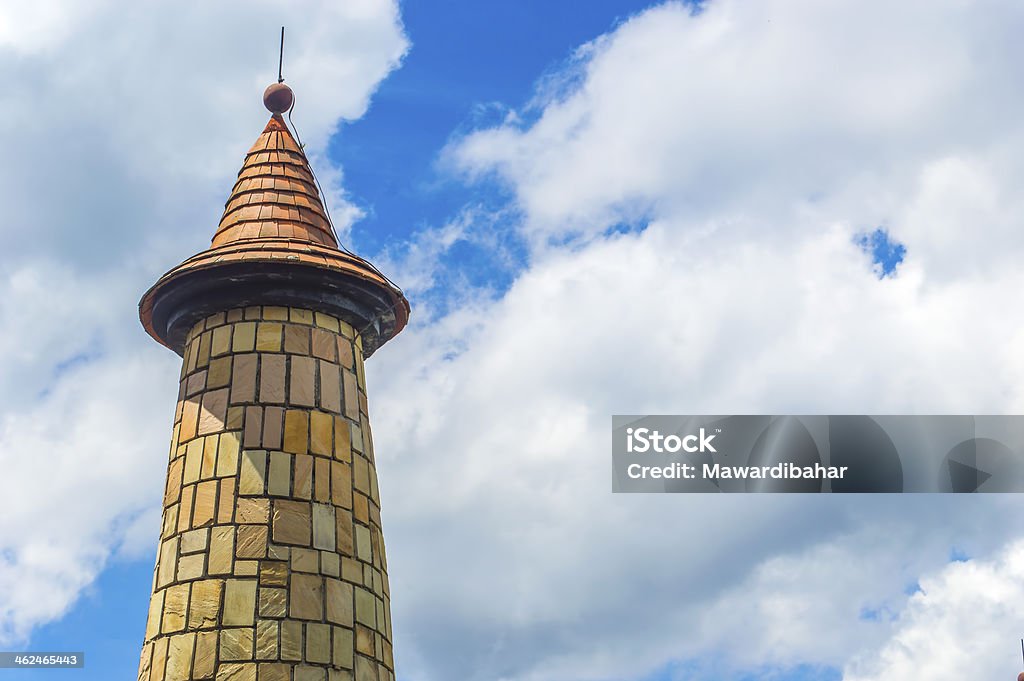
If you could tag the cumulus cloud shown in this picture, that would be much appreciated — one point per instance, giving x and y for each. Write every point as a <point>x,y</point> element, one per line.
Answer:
<point>692,188</point>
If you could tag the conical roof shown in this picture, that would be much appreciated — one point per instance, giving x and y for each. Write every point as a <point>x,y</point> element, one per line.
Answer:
<point>274,246</point>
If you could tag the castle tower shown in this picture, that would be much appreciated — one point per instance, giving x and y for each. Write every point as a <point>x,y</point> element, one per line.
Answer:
<point>271,562</point>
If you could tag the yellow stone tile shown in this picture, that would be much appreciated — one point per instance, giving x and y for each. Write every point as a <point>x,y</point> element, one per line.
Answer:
<point>226,501</point>
<point>252,312</point>
<point>205,605</point>
<point>170,521</point>
<point>343,648</point>
<point>269,337</point>
<point>253,472</point>
<point>323,527</point>
<point>330,563</point>
<point>222,550</point>
<point>236,644</point>
<point>326,321</point>
<point>330,387</point>
<point>174,477</point>
<point>274,671</point>
<point>235,418</point>
<point>341,484</point>
<point>366,607</point>
<point>310,673</point>
<point>305,598</point>
<point>364,640</point>
<point>318,643</point>
<point>239,602</point>
<point>227,454</point>
<point>338,597</point>
<point>237,672</point>
<point>342,440</point>
<point>346,330</point>
<point>247,568</point>
<point>253,511</point>
<point>350,396</point>
<point>361,474</point>
<point>364,551</point>
<point>220,373</point>
<point>291,640</point>
<point>305,560</point>
<point>277,314</point>
<point>221,344</point>
<point>295,431</point>
<point>266,643</point>
<point>193,461</point>
<point>156,611</point>
<point>280,478</point>
<point>273,573</point>
<point>357,438</point>
<point>244,337</point>
<point>234,315</point>
<point>366,669</point>
<point>175,604</point>
<point>273,602</point>
<point>159,659</point>
<point>346,533</point>
<point>204,350</point>
<point>206,504</point>
<point>191,567</point>
<point>251,541</point>
<point>321,430</point>
<point>321,479</point>
<point>360,507</point>
<point>351,570</point>
<point>209,457</point>
<point>206,655</point>
<point>300,316</point>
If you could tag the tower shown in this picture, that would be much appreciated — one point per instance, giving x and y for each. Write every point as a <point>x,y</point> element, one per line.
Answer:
<point>271,563</point>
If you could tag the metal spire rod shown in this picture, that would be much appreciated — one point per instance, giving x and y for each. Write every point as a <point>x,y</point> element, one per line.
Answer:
<point>280,61</point>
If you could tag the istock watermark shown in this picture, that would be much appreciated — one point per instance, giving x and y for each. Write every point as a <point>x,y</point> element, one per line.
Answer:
<point>815,454</point>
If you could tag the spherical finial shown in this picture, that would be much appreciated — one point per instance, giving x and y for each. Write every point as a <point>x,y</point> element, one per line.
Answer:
<point>1020,677</point>
<point>278,98</point>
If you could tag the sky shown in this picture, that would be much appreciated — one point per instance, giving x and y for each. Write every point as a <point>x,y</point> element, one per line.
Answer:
<point>594,208</point>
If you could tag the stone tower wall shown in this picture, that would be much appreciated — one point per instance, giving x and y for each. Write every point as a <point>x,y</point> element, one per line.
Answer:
<point>271,563</point>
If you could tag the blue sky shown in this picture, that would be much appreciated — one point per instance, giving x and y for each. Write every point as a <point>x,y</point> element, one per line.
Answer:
<point>595,208</point>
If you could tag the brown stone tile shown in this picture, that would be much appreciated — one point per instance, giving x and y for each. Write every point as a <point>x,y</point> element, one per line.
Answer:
<point>305,560</point>
<point>296,426</point>
<point>273,573</point>
<point>302,388</point>
<point>189,419</point>
<point>252,312</point>
<point>346,533</point>
<point>266,648</point>
<point>273,424</point>
<point>209,457</point>
<point>243,378</point>
<point>272,383</point>
<point>206,655</point>
<point>203,358</point>
<point>341,484</point>
<point>324,345</point>
<point>253,511</point>
<point>318,643</point>
<point>300,316</point>
<point>291,640</point>
<point>330,387</point>
<point>251,541</point>
<point>222,550</point>
<point>277,314</point>
<point>303,486</point>
<point>273,602</point>
<point>291,522</point>
<point>343,647</point>
<point>361,474</point>
<point>321,430</point>
<point>296,340</point>
<point>360,508</point>
<point>221,344</point>
<point>214,411</point>
<point>364,640</point>
<point>205,504</point>
<point>350,397</point>
<point>236,644</point>
<point>342,440</point>
<point>345,357</point>
<point>338,600</point>
<point>247,568</point>
<point>195,383</point>
<point>236,672</point>
<point>305,598</point>
<point>159,665</point>
<point>322,479</point>
<point>269,337</point>
<point>253,472</point>
<point>280,477</point>
<point>185,509</point>
<point>253,427</point>
<point>219,373</point>
<point>330,563</point>
<point>173,490</point>
<point>226,501</point>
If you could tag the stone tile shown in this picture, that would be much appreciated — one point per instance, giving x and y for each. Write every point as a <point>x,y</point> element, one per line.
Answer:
<point>226,501</point>
<point>253,472</point>
<point>360,507</point>
<point>277,314</point>
<point>366,607</point>
<point>222,550</point>
<point>174,478</point>
<point>268,337</point>
<point>330,387</point>
<point>185,510</point>
<point>236,644</point>
<point>266,644</point>
<point>221,344</point>
<point>277,552</point>
<point>206,504</point>
<point>326,321</point>
<point>357,438</point>
<point>236,416</point>
<point>205,605</point>
<point>247,568</point>
<point>234,315</point>
<point>243,378</point>
<point>330,563</point>
<point>193,461</point>
<point>273,602</point>
<point>361,474</point>
<point>338,602</point>
<point>308,673</point>
<point>170,526</point>
<point>272,383</point>
<point>324,345</point>
<point>341,675</point>
<point>321,432</point>
<point>209,457</point>
<point>341,484</point>
<point>195,383</point>
<point>253,511</point>
<point>237,672</point>
<point>291,640</point>
<point>273,424</point>
<point>364,640</point>
<point>175,605</point>
<point>219,373</point>
<point>228,447</point>
<point>273,573</point>
<point>280,478</point>
<point>275,671</point>
<point>296,425</point>
<point>321,479</point>
<point>323,527</point>
<point>296,340</point>
<point>191,567</point>
<point>239,602</point>
<point>179,657</point>
<point>303,487</point>
<point>350,396</point>
<point>305,560</point>
<point>203,357</point>
<point>345,357</point>
<point>291,522</point>
<point>159,659</point>
<point>252,313</point>
<point>302,386</point>
<point>156,613</point>
<point>206,655</point>
<point>251,542</point>
<point>300,316</point>
<point>366,669</point>
<point>343,648</point>
<point>214,411</point>
<point>318,643</point>
<point>244,337</point>
<point>346,533</point>
<point>168,564</point>
<point>364,549</point>
<point>342,440</point>
<point>305,598</point>
<point>253,435</point>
